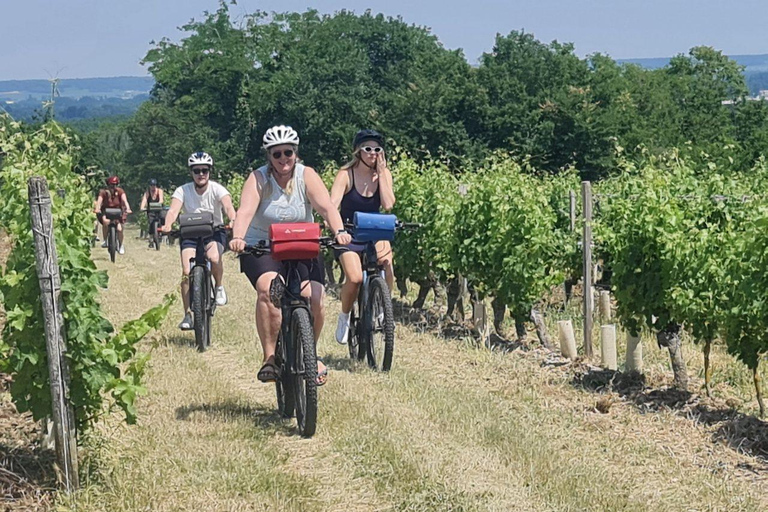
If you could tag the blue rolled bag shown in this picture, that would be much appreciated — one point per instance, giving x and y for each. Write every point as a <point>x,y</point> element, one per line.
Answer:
<point>372,227</point>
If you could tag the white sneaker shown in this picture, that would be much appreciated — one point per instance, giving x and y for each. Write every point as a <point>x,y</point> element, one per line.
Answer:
<point>121,250</point>
<point>221,296</point>
<point>186,322</point>
<point>342,328</point>
<point>104,244</point>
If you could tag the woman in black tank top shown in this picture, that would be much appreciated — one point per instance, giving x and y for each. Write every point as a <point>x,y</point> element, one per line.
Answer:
<point>363,185</point>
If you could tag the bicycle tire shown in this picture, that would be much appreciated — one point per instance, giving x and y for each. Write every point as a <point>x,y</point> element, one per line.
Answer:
<point>363,321</point>
<point>305,378</point>
<point>353,339</point>
<point>381,341</point>
<point>112,242</point>
<point>283,385</point>
<point>155,235</point>
<point>198,293</point>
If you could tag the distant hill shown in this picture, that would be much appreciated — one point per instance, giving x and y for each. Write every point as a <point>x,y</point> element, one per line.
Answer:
<point>124,87</point>
<point>79,98</point>
<point>755,68</point>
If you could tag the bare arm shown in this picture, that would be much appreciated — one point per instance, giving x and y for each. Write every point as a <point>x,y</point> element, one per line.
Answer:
<point>339,187</point>
<point>97,206</point>
<point>249,203</point>
<point>143,202</point>
<point>386,188</point>
<point>124,200</point>
<point>226,202</point>
<point>161,196</point>
<point>321,201</point>
<point>172,214</point>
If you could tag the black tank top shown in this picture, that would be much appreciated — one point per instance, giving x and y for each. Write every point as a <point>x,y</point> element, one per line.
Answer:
<point>155,199</point>
<point>353,201</point>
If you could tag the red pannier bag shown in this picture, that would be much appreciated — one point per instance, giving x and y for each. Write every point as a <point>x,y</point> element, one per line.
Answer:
<point>295,241</point>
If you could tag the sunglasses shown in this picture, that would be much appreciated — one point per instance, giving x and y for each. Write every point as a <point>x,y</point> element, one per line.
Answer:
<point>200,171</point>
<point>371,149</point>
<point>277,154</point>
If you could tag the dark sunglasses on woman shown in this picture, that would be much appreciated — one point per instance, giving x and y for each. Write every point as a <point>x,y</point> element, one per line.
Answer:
<point>200,171</point>
<point>371,149</point>
<point>277,154</point>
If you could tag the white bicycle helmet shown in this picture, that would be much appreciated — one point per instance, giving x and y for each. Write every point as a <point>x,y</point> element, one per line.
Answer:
<point>200,158</point>
<point>278,135</point>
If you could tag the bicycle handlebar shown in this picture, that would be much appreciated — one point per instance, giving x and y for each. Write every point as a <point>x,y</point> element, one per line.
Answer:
<point>176,233</point>
<point>263,247</point>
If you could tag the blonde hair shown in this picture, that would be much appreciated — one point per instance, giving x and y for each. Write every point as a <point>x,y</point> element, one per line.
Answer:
<point>356,159</point>
<point>266,189</point>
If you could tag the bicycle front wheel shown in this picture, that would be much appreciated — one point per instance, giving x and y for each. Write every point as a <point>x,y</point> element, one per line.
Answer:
<point>198,293</point>
<point>381,342</point>
<point>284,385</point>
<point>304,379</point>
<point>155,235</point>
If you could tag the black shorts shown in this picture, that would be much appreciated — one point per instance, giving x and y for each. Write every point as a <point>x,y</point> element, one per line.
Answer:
<point>357,247</point>
<point>254,266</point>
<point>219,236</point>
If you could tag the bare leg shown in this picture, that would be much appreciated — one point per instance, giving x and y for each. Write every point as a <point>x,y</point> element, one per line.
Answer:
<point>353,278</point>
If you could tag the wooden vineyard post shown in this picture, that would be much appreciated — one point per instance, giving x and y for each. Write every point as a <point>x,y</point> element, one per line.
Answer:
<point>50,291</point>
<point>586,243</point>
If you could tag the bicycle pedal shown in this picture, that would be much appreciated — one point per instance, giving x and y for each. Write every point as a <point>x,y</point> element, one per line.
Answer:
<point>276,291</point>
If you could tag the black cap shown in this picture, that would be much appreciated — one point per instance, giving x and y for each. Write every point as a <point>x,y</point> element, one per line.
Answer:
<point>366,135</point>
<point>153,182</point>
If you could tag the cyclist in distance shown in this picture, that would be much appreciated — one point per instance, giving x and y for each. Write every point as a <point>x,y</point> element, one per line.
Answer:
<point>283,190</point>
<point>362,185</point>
<point>153,194</point>
<point>112,197</point>
<point>201,195</point>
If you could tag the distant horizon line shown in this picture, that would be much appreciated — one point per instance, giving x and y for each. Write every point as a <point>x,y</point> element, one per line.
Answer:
<point>148,75</point>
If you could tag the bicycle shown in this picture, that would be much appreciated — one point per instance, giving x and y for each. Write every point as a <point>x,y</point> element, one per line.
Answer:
<point>295,353</point>
<point>372,318</point>
<point>154,218</point>
<point>202,295</point>
<point>114,215</point>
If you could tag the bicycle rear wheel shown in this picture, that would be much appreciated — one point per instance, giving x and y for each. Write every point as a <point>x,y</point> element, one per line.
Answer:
<point>112,242</point>
<point>381,342</point>
<point>198,292</point>
<point>304,379</point>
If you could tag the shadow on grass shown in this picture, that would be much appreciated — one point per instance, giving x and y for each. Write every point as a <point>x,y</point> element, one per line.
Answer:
<point>743,433</point>
<point>342,364</point>
<point>262,417</point>
<point>432,321</point>
<point>180,340</point>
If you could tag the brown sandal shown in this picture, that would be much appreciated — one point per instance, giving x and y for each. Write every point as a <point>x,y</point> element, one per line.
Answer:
<point>269,372</point>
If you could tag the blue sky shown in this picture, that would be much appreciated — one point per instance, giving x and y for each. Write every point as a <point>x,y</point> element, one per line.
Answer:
<point>88,38</point>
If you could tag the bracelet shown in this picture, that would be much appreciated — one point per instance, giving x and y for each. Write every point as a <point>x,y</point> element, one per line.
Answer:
<point>238,238</point>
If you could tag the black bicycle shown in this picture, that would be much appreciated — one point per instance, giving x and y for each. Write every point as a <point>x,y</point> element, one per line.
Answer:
<point>114,215</point>
<point>372,319</point>
<point>154,221</point>
<point>202,294</point>
<point>295,354</point>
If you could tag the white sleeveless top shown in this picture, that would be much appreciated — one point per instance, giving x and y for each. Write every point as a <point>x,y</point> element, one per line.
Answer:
<point>279,207</point>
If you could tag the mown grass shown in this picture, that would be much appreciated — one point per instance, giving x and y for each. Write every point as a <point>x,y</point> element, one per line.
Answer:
<point>452,427</point>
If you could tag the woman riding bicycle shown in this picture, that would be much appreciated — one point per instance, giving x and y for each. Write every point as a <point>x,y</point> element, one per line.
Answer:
<point>363,185</point>
<point>153,194</point>
<point>112,197</point>
<point>201,195</point>
<point>283,190</point>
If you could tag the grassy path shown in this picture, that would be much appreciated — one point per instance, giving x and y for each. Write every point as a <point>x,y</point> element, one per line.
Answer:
<point>450,428</point>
